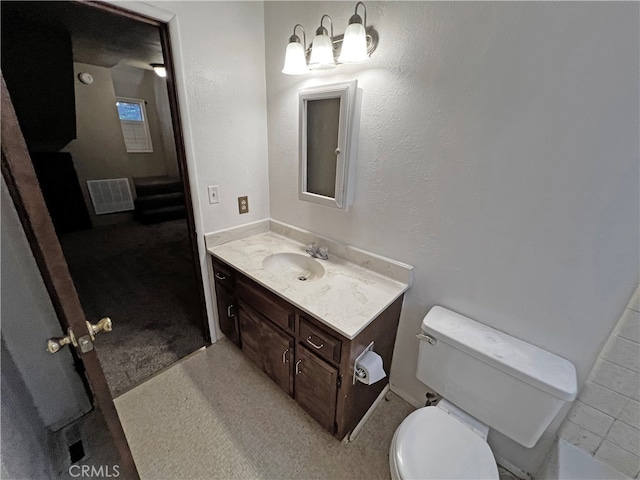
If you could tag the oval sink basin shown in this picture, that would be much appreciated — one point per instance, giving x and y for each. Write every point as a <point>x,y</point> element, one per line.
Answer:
<point>294,266</point>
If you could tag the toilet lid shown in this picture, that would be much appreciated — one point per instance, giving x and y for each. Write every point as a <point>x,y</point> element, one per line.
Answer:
<point>431,444</point>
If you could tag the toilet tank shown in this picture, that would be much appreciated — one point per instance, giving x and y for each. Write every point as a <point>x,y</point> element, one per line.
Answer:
<point>514,387</point>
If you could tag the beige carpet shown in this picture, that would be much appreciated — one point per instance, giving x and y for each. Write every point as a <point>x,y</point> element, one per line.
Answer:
<point>215,415</point>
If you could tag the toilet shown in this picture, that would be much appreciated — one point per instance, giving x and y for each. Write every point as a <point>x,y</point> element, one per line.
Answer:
<point>487,379</point>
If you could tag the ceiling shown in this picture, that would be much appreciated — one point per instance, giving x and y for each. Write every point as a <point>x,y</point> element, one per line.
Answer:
<point>98,37</point>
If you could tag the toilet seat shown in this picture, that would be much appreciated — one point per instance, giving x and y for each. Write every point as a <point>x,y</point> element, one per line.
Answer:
<point>431,444</point>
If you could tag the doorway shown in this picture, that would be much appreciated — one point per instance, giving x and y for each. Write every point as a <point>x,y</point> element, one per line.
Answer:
<point>135,260</point>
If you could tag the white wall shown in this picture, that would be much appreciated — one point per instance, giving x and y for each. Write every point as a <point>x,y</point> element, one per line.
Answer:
<point>221,72</point>
<point>498,154</point>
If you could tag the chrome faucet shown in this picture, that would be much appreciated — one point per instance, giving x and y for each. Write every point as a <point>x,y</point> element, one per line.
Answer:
<point>317,252</point>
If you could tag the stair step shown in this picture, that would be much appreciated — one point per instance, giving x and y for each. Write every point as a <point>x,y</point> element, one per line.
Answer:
<point>164,214</point>
<point>160,200</point>
<point>155,185</point>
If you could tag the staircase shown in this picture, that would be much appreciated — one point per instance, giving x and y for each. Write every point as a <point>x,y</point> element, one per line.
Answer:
<point>159,199</point>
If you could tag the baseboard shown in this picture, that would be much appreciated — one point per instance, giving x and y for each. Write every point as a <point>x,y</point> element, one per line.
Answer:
<point>512,468</point>
<point>406,397</point>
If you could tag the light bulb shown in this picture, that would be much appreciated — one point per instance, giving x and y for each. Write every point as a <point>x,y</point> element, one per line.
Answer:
<point>322,52</point>
<point>354,45</point>
<point>295,62</point>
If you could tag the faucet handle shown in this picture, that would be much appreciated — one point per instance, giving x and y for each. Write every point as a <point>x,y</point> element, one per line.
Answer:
<point>324,252</point>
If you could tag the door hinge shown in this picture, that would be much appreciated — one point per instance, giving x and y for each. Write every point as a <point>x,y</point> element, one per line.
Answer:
<point>339,381</point>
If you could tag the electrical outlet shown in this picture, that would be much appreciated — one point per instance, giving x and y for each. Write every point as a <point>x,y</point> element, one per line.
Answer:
<point>243,205</point>
<point>213,194</point>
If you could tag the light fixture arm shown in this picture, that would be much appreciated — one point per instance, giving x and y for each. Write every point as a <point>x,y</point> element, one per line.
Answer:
<point>355,18</point>
<point>295,38</point>
<point>321,30</point>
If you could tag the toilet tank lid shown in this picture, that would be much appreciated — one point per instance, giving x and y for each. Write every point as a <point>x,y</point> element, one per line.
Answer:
<point>533,365</point>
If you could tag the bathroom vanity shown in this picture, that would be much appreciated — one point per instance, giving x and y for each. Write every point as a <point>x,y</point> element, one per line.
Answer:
<point>304,322</point>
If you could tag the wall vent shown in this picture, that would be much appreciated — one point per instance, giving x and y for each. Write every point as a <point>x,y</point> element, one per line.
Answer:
<point>110,195</point>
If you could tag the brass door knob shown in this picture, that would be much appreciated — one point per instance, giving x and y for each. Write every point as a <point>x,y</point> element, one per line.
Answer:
<point>104,325</point>
<point>55,344</point>
<point>84,343</point>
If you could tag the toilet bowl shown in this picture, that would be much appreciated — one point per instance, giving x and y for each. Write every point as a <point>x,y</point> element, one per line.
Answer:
<point>434,443</point>
<point>472,365</point>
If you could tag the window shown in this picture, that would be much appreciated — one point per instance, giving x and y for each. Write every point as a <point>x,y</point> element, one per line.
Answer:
<point>133,119</point>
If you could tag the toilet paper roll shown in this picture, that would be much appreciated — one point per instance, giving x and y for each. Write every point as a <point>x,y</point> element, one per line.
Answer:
<point>371,368</point>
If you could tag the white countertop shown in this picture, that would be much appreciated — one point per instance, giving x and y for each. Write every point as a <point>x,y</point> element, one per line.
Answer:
<point>346,298</point>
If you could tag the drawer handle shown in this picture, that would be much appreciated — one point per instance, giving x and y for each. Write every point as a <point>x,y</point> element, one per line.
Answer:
<point>230,313</point>
<point>298,371</point>
<point>220,277</point>
<point>285,356</point>
<point>317,347</point>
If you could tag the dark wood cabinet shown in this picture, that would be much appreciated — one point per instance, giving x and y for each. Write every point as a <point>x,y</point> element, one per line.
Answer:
<point>267,347</point>
<point>226,301</point>
<point>308,359</point>
<point>316,387</point>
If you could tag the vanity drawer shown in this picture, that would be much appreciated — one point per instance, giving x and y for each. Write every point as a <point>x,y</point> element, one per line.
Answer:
<point>268,304</point>
<point>319,341</point>
<point>223,274</point>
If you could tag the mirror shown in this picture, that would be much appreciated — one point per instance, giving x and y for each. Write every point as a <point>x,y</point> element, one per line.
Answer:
<point>328,143</point>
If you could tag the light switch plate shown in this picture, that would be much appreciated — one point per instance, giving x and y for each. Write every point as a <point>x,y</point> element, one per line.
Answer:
<point>214,196</point>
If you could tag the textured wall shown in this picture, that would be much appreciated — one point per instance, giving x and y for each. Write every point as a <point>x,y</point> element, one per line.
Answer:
<point>221,57</point>
<point>605,420</point>
<point>498,155</point>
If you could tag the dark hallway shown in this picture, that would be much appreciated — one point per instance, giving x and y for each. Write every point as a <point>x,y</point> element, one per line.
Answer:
<point>142,277</point>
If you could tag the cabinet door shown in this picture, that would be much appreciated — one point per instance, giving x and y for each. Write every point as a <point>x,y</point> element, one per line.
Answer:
<point>316,387</point>
<point>267,347</point>
<point>227,314</point>
<point>278,357</point>
<point>251,331</point>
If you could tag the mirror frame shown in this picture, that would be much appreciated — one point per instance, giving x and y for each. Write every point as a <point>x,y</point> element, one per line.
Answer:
<point>348,127</point>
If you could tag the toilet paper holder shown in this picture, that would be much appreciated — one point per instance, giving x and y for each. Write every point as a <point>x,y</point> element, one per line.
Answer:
<point>368,369</point>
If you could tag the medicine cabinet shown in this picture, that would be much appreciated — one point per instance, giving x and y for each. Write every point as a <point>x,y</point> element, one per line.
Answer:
<point>329,125</point>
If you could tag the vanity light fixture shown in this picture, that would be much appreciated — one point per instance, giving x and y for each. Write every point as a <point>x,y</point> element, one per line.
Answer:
<point>355,46</point>
<point>160,70</point>
<point>295,61</point>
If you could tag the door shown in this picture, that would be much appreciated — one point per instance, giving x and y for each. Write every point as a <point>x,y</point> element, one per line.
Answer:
<point>23,186</point>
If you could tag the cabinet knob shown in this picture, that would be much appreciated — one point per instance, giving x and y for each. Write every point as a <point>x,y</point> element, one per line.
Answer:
<point>220,277</point>
<point>285,356</point>
<point>298,371</point>
<point>230,313</point>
